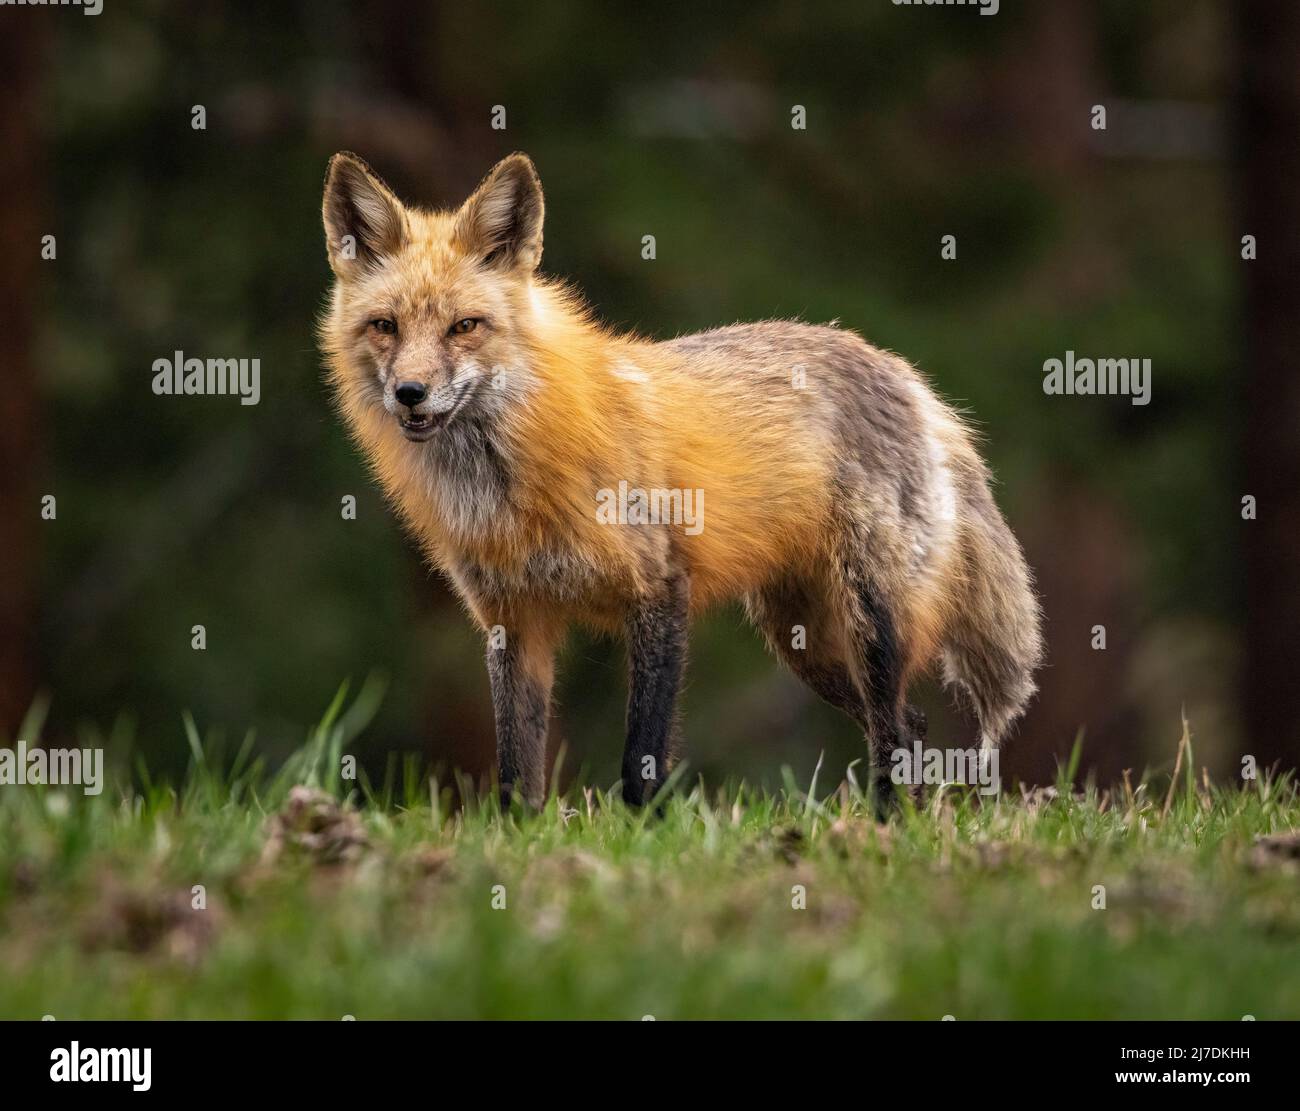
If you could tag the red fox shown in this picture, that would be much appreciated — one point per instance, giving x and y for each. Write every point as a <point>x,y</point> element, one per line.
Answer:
<point>795,467</point>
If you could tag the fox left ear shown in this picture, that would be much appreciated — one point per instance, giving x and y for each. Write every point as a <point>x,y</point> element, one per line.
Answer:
<point>501,223</point>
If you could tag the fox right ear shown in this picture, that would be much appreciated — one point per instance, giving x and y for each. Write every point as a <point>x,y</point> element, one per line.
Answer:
<point>363,218</point>
<point>501,224</point>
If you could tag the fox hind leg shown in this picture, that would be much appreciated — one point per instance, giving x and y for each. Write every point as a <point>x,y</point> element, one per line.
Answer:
<point>820,658</point>
<point>875,650</point>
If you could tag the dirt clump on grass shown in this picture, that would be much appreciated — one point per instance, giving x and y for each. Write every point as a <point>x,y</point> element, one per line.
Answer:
<point>312,825</point>
<point>143,920</point>
<point>1273,849</point>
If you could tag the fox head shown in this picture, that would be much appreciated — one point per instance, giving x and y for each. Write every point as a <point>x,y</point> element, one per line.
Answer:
<point>428,307</point>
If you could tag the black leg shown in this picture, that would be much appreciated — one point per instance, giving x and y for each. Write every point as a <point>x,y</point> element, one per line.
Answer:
<point>521,689</point>
<point>657,651</point>
<point>881,676</point>
<point>873,642</point>
<point>915,724</point>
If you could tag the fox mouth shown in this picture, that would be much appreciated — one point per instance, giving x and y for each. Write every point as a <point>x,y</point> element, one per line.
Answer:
<point>418,429</point>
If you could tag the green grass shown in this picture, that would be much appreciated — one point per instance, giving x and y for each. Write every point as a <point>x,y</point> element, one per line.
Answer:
<point>383,907</point>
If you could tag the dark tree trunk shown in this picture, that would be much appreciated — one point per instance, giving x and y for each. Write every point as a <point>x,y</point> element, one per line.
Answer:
<point>1268,122</point>
<point>21,47</point>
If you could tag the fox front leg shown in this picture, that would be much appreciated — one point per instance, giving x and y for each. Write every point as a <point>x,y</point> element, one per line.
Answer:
<point>657,653</point>
<point>521,669</point>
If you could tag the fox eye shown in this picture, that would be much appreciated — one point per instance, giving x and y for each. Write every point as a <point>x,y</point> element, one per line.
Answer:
<point>463,326</point>
<point>384,326</point>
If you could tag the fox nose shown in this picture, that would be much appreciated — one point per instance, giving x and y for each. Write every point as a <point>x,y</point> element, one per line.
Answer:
<point>410,394</point>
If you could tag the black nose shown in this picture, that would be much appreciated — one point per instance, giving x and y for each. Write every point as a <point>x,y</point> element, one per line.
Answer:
<point>410,394</point>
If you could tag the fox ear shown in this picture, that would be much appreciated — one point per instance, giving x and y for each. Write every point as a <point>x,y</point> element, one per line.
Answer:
<point>364,220</point>
<point>501,224</point>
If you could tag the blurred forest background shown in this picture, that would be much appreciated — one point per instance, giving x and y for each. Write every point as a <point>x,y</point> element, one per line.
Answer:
<point>671,120</point>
